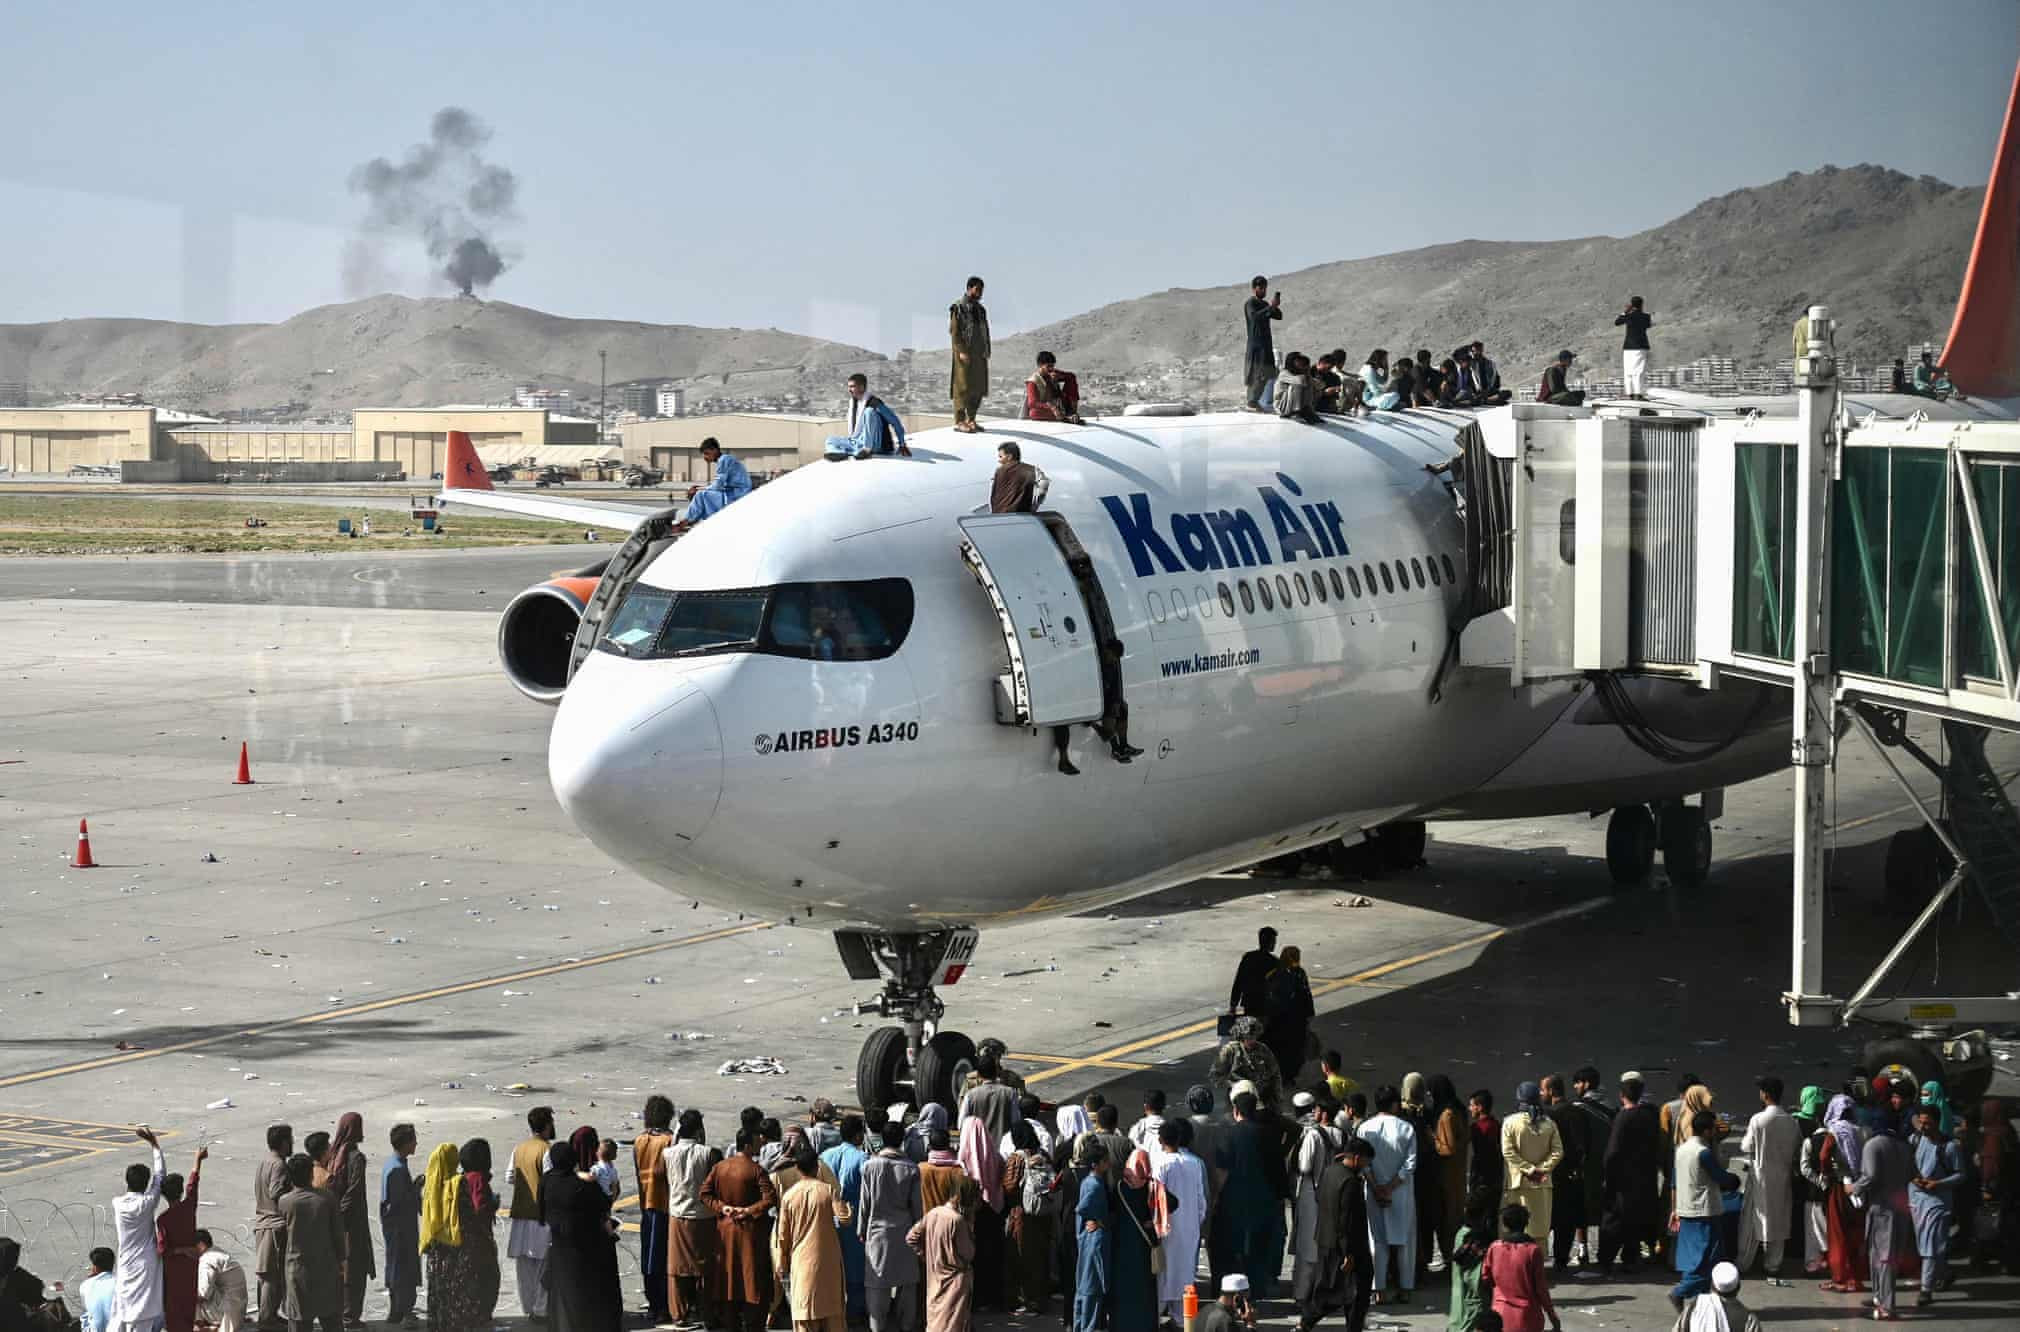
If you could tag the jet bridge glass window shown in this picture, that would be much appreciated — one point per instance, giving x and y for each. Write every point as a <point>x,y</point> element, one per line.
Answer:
<point>1763,557</point>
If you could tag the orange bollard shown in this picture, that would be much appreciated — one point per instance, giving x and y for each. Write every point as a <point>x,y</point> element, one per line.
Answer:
<point>244,777</point>
<point>83,860</point>
<point>1191,1307</point>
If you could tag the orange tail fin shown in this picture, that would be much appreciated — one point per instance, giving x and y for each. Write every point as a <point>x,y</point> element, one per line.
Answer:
<point>1982,352</point>
<point>463,470</point>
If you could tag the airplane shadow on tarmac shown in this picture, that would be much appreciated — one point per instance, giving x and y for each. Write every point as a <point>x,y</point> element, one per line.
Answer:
<point>281,1038</point>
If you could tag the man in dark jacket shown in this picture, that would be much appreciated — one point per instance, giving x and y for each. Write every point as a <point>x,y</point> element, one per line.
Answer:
<point>1635,1151</point>
<point>1014,487</point>
<point>1250,992</point>
<point>1554,390</point>
<point>1346,1266</point>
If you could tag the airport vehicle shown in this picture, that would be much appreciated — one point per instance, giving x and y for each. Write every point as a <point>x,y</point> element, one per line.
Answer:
<point>641,477</point>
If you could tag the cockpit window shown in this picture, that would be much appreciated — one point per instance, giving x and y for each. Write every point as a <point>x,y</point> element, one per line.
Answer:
<point>860,621</point>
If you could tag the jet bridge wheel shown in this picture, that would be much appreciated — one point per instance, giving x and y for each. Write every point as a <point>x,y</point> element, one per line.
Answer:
<point>1630,845</point>
<point>943,1065</point>
<point>880,1070</point>
<point>1686,846</point>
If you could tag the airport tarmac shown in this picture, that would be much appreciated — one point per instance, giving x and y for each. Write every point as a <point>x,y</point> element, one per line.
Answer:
<point>398,920</point>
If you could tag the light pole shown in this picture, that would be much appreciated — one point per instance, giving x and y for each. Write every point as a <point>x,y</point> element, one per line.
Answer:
<point>602,385</point>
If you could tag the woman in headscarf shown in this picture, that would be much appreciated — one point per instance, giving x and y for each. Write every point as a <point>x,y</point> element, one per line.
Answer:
<point>354,1207</point>
<point>981,1162</point>
<point>932,1115</point>
<point>1813,1223</point>
<point>1430,1199</point>
<point>1531,1149</point>
<point>1844,1224</point>
<point>1133,1270</point>
<point>458,1210</point>
<point>1443,1187</point>
<point>583,1290</point>
<point>1695,1097</point>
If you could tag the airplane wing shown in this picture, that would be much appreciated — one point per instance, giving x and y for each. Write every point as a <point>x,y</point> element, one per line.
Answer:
<point>583,513</point>
<point>471,486</point>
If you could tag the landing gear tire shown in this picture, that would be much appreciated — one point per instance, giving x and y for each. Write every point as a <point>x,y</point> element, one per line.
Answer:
<point>1686,846</point>
<point>880,1069</point>
<point>943,1065</point>
<point>1630,845</point>
<point>1902,1055</point>
<point>1917,864</point>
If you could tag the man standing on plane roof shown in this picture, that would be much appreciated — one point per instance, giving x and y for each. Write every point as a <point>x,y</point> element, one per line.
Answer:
<point>1259,368</point>
<point>1634,348</point>
<point>968,329</point>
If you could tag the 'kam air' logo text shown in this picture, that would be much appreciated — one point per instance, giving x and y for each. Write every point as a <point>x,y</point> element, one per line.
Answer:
<point>1227,538</point>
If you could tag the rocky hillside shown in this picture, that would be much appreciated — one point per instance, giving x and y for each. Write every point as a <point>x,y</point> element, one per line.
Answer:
<point>1887,251</point>
<point>393,351</point>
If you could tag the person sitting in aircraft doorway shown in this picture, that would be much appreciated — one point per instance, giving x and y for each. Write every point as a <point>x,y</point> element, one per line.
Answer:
<point>1553,389</point>
<point>731,483</point>
<point>1052,394</point>
<point>873,427</point>
<point>1114,724</point>
<point>1017,486</point>
<point>1296,392</point>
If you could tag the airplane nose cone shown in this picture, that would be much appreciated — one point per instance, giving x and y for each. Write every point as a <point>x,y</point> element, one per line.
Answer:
<point>637,767</point>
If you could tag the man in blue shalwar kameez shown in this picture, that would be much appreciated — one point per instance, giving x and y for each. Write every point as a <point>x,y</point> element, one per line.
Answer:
<point>873,427</point>
<point>1093,1244</point>
<point>732,483</point>
<point>1938,1167</point>
<point>845,1162</point>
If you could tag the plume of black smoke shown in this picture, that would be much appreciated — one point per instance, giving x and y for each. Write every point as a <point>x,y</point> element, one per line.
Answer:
<point>444,194</point>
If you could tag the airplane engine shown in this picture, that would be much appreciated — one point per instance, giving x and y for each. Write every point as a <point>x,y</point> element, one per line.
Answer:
<point>537,633</point>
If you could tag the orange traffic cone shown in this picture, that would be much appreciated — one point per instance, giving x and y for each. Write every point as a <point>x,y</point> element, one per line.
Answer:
<point>83,860</point>
<point>244,777</point>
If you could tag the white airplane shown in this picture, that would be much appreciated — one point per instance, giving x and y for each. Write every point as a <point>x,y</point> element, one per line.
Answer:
<point>832,702</point>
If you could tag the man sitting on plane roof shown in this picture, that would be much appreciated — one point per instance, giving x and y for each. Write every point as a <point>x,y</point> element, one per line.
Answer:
<point>1051,394</point>
<point>732,483</point>
<point>1932,381</point>
<point>1553,389</point>
<point>873,427</point>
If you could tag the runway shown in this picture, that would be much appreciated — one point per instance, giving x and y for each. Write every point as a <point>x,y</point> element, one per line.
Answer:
<point>398,919</point>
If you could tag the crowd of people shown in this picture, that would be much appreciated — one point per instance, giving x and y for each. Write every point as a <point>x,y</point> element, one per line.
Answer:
<point>911,1218</point>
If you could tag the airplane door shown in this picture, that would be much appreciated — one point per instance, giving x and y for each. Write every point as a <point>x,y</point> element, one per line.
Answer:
<point>1055,663</point>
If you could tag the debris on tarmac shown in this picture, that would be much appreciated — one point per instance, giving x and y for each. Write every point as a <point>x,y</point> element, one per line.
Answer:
<point>761,1065</point>
<point>223,1103</point>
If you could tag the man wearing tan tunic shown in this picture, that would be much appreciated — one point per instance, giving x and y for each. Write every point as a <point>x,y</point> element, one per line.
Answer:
<point>945,1239</point>
<point>968,330</point>
<point>807,1249</point>
<point>741,1196</point>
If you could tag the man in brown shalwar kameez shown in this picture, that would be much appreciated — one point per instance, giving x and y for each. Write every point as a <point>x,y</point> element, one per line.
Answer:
<point>1014,486</point>
<point>691,1239</point>
<point>807,1249</point>
<point>741,1196</point>
<point>945,1239</point>
<point>968,328</point>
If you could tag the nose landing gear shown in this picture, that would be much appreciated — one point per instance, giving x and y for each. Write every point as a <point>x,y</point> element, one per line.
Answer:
<point>916,1061</point>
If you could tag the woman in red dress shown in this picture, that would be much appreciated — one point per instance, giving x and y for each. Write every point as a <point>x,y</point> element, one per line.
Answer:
<point>1844,1224</point>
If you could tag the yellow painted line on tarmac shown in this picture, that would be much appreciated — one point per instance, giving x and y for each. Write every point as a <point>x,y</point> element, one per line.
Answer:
<point>1108,1057</point>
<point>1125,1066</point>
<point>379,1005</point>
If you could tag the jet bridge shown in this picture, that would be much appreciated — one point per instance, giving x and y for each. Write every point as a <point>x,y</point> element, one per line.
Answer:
<point>1871,567</point>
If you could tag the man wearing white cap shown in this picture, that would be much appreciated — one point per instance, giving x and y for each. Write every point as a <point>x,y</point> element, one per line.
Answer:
<point>1231,1311</point>
<point>1718,1309</point>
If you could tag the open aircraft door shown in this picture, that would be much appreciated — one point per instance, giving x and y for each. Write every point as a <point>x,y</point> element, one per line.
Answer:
<point>1054,640</point>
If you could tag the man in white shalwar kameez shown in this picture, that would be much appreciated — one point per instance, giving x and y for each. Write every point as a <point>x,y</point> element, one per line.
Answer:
<point>136,1300</point>
<point>1183,1176</point>
<point>1772,1142</point>
<point>1318,1143</point>
<point>1392,1194</point>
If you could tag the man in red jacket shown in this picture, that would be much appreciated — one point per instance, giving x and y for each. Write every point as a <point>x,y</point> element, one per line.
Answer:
<point>1051,394</point>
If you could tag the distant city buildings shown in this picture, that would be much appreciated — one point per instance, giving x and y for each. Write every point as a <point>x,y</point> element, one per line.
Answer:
<point>553,400</point>
<point>671,401</point>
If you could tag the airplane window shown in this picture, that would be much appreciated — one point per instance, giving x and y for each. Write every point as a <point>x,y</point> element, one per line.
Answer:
<point>702,621</point>
<point>1402,575</point>
<point>1339,588</point>
<point>1388,583</point>
<point>1226,601</point>
<point>1318,585</point>
<point>1417,570</point>
<point>1368,577</point>
<point>1431,563</point>
<point>1450,575</point>
<point>1156,607</point>
<point>1205,599</point>
<point>1247,597</point>
<point>1262,588</point>
<point>1178,606</point>
<point>834,621</point>
<point>636,624</point>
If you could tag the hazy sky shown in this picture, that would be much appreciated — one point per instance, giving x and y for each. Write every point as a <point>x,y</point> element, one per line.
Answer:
<point>837,169</point>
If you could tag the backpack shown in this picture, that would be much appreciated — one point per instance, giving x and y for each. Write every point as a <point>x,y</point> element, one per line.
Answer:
<point>1043,1195</point>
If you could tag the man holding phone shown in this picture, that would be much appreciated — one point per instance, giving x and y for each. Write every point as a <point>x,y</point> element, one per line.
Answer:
<point>1259,371</point>
<point>1232,1311</point>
